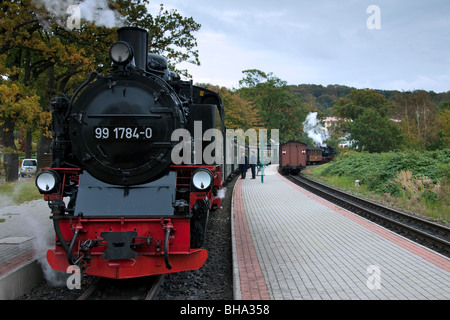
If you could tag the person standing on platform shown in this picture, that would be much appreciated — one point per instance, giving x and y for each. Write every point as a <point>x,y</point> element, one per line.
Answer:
<point>243,165</point>
<point>253,164</point>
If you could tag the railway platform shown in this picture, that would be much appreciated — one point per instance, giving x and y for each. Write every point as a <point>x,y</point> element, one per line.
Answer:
<point>289,244</point>
<point>26,232</point>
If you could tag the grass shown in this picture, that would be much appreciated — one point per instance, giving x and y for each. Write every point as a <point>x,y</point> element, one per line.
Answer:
<point>343,182</point>
<point>14,193</point>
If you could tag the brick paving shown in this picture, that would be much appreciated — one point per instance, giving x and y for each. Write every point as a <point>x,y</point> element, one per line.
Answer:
<point>309,249</point>
<point>252,283</point>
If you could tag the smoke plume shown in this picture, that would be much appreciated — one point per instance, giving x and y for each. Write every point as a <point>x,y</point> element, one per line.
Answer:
<point>70,13</point>
<point>314,129</point>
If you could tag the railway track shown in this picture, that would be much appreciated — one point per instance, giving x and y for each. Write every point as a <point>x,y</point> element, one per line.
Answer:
<point>129,289</point>
<point>426,233</point>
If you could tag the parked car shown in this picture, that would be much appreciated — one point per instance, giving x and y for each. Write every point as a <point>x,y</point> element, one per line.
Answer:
<point>28,167</point>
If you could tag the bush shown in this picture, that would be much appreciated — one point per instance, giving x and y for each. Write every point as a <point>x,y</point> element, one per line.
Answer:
<point>379,170</point>
<point>419,179</point>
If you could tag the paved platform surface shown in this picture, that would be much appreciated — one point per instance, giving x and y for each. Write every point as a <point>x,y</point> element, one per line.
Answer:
<point>26,232</point>
<point>291,245</point>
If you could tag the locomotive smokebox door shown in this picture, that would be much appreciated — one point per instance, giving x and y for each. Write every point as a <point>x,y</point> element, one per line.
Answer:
<point>121,133</point>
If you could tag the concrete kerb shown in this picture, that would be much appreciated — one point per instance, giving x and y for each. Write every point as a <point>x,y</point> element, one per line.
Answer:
<point>237,295</point>
<point>19,281</point>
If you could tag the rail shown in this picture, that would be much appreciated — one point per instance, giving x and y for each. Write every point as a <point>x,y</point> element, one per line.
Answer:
<point>129,289</point>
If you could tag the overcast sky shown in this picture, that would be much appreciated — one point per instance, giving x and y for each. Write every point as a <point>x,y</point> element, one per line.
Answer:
<point>323,41</point>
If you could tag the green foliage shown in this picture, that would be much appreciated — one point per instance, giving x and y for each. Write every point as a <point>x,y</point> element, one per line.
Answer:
<point>276,105</point>
<point>354,105</point>
<point>43,58</point>
<point>419,181</point>
<point>367,120</point>
<point>373,133</point>
<point>379,171</point>
<point>318,97</point>
<point>422,117</point>
<point>170,34</point>
<point>240,113</point>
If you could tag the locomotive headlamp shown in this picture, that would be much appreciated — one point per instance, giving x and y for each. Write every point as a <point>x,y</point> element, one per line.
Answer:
<point>47,181</point>
<point>121,52</point>
<point>202,179</point>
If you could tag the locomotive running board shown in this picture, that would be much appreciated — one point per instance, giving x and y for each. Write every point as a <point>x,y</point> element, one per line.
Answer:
<point>142,266</point>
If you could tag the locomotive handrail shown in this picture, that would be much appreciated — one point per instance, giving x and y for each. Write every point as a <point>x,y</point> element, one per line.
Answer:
<point>168,227</point>
<point>70,253</point>
<point>123,115</point>
<point>166,249</point>
<point>77,91</point>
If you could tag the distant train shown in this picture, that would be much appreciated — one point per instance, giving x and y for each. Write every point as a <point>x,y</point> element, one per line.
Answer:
<point>328,154</point>
<point>319,155</point>
<point>295,156</point>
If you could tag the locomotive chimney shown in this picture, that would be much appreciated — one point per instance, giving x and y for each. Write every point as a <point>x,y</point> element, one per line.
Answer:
<point>138,38</point>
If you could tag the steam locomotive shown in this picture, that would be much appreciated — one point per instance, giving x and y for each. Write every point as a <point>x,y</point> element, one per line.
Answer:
<point>121,207</point>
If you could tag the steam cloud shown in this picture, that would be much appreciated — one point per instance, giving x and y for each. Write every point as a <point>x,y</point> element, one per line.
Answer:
<point>70,12</point>
<point>314,129</point>
<point>41,243</point>
<point>222,193</point>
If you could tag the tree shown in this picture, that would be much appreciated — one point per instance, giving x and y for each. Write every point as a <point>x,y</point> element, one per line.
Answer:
<point>15,105</point>
<point>353,105</point>
<point>373,133</point>
<point>277,106</point>
<point>442,127</point>
<point>38,52</point>
<point>37,59</point>
<point>170,34</point>
<point>365,117</point>
<point>418,116</point>
<point>240,113</point>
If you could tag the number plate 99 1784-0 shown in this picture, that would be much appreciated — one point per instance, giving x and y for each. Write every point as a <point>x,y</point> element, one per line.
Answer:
<point>123,133</point>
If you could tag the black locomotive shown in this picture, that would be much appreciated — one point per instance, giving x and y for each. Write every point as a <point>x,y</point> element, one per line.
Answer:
<point>121,208</point>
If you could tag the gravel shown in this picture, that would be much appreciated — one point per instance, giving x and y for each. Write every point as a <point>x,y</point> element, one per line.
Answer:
<point>214,281</point>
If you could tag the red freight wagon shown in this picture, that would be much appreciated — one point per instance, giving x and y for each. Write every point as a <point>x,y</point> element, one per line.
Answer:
<point>292,157</point>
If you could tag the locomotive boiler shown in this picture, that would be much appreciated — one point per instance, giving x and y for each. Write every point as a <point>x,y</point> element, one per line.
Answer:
<point>120,206</point>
